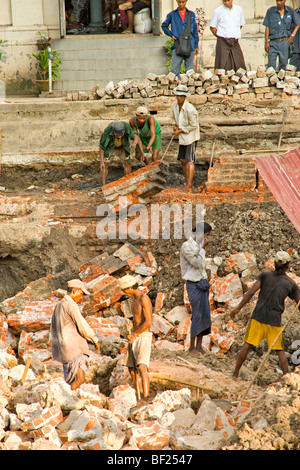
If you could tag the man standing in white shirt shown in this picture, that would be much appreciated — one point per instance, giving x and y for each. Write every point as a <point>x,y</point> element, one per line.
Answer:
<point>197,277</point>
<point>226,24</point>
<point>186,127</point>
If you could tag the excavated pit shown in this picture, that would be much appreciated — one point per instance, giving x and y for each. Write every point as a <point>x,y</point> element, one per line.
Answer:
<point>48,227</point>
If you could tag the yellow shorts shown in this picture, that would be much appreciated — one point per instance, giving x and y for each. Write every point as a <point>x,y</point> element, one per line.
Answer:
<point>257,331</point>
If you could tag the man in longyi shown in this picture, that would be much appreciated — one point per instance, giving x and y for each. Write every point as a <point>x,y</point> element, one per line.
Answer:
<point>226,24</point>
<point>71,334</point>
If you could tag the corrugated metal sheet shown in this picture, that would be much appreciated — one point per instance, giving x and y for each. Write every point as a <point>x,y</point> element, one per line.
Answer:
<point>281,173</point>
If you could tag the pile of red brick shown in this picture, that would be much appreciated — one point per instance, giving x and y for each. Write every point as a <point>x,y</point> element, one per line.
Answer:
<point>136,187</point>
<point>45,413</point>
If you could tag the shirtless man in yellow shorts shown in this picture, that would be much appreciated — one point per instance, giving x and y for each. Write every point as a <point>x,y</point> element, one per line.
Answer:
<point>275,287</point>
<point>140,339</point>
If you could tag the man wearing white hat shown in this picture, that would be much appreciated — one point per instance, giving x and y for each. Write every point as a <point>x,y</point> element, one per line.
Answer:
<point>275,286</point>
<point>186,128</point>
<point>71,334</point>
<point>140,339</point>
<point>149,131</point>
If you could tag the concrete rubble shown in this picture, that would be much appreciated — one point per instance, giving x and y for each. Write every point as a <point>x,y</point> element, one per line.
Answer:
<point>45,414</point>
<point>263,83</point>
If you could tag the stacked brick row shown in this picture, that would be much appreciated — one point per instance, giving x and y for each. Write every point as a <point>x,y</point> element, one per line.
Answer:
<point>263,83</point>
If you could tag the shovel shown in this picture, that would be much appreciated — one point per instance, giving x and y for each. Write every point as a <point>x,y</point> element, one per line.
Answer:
<point>172,138</point>
<point>26,370</point>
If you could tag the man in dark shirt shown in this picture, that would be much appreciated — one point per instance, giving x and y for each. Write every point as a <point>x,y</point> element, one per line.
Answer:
<point>295,59</point>
<point>281,24</point>
<point>275,287</point>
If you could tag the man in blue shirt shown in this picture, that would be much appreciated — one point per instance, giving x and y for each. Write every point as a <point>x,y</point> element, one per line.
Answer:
<point>295,59</point>
<point>178,20</point>
<point>279,33</point>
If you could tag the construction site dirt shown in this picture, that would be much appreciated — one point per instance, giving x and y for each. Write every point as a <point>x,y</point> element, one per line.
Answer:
<point>48,235</point>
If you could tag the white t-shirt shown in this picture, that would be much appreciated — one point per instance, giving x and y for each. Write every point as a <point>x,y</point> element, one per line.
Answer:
<point>228,22</point>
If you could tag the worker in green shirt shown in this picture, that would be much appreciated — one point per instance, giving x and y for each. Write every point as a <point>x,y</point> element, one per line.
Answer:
<point>115,142</point>
<point>149,131</point>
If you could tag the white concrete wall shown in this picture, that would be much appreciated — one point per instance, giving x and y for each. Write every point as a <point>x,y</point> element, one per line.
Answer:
<point>20,20</point>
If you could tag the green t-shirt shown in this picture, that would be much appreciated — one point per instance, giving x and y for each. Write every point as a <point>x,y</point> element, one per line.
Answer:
<point>107,140</point>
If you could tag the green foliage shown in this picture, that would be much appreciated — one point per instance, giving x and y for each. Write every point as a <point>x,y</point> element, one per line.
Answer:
<point>43,69</point>
<point>43,54</point>
<point>1,50</point>
<point>168,51</point>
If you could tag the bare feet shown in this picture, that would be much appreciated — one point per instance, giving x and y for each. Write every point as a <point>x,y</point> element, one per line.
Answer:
<point>196,352</point>
<point>187,189</point>
<point>79,379</point>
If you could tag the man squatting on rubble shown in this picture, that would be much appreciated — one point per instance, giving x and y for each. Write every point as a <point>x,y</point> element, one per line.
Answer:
<point>140,338</point>
<point>149,131</point>
<point>197,277</point>
<point>70,334</point>
<point>187,128</point>
<point>115,142</point>
<point>275,287</point>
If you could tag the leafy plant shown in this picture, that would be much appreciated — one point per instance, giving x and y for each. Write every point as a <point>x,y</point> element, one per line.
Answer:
<point>43,41</point>
<point>43,58</point>
<point>168,51</point>
<point>201,21</point>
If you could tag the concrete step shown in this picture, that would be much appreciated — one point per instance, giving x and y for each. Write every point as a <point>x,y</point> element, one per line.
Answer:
<point>235,177</point>
<point>231,173</point>
<point>97,59</point>
<point>219,186</point>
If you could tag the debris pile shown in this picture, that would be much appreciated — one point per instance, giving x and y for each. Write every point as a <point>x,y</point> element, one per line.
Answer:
<point>139,186</point>
<point>39,410</point>
<point>273,423</point>
<point>263,83</point>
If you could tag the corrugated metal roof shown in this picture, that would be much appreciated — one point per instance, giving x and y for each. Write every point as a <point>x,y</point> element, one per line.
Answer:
<point>281,173</point>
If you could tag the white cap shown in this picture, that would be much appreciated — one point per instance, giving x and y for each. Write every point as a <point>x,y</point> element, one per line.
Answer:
<point>142,111</point>
<point>282,256</point>
<point>78,284</point>
<point>181,90</point>
<point>127,281</point>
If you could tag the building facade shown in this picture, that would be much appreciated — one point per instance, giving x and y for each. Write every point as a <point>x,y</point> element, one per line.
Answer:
<point>21,20</point>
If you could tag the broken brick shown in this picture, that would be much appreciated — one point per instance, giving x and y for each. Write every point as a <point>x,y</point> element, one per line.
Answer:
<point>160,326</point>
<point>34,317</point>
<point>48,416</point>
<point>103,327</point>
<point>159,301</point>
<point>227,288</point>
<point>3,331</point>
